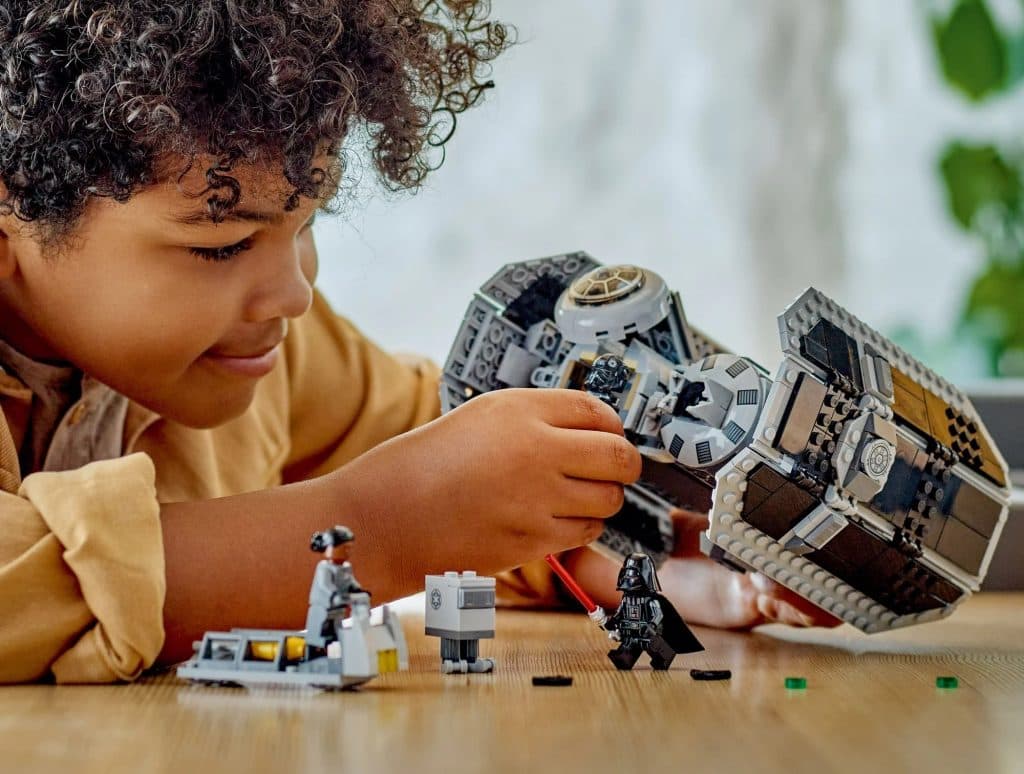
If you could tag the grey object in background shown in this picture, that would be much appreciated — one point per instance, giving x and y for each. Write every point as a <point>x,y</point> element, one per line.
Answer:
<point>1001,406</point>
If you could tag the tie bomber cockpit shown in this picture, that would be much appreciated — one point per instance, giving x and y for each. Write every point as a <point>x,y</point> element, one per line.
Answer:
<point>856,476</point>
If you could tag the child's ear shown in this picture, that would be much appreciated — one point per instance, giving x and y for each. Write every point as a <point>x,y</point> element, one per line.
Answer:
<point>8,261</point>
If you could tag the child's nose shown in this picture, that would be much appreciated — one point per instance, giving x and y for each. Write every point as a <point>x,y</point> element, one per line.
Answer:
<point>283,291</point>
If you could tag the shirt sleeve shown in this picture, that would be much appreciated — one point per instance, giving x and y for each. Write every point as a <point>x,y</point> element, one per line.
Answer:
<point>346,395</point>
<point>532,585</point>
<point>81,574</point>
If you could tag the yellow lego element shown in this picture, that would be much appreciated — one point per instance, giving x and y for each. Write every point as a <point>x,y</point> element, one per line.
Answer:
<point>909,401</point>
<point>937,415</point>
<point>387,660</point>
<point>929,413</point>
<point>295,648</point>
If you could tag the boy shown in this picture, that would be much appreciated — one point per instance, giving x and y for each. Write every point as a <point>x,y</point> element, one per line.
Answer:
<point>171,381</point>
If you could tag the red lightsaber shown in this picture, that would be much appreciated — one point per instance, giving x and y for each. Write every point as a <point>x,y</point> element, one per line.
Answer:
<point>595,611</point>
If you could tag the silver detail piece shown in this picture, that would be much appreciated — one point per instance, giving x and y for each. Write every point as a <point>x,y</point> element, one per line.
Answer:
<point>877,458</point>
<point>814,530</point>
<point>608,283</point>
<point>612,303</point>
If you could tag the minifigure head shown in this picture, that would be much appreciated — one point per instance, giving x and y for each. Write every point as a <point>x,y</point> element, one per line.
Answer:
<point>161,162</point>
<point>638,574</point>
<point>333,543</point>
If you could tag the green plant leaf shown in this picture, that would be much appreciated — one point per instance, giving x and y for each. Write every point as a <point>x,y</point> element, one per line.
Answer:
<point>1015,60</point>
<point>995,308</point>
<point>972,51</point>
<point>977,176</point>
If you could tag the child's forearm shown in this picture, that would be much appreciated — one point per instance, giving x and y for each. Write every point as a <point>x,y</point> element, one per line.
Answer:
<point>502,481</point>
<point>245,560</point>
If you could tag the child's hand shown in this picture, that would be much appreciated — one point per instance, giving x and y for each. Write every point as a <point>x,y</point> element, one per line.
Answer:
<point>704,591</point>
<point>721,597</point>
<point>508,477</point>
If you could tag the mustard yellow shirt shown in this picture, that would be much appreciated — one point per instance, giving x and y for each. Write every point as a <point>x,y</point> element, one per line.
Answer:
<point>82,577</point>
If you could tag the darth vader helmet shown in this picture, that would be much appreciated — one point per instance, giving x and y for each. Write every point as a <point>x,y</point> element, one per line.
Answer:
<point>638,574</point>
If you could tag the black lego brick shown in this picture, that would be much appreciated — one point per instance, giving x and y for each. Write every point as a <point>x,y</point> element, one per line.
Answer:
<point>842,350</point>
<point>855,546</point>
<point>754,496</point>
<point>816,352</point>
<point>781,510</point>
<point>683,488</point>
<point>838,349</point>
<point>801,414</point>
<point>637,524</point>
<point>767,478</point>
<point>887,566</point>
<point>943,590</point>
<point>883,573</point>
<point>974,508</point>
<point>962,546</point>
<point>828,346</point>
<point>848,554</point>
<point>933,530</point>
<point>819,334</point>
<point>536,303</point>
<point>898,494</point>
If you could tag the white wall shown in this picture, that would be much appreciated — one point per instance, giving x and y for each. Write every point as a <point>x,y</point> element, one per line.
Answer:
<point>744,150</point>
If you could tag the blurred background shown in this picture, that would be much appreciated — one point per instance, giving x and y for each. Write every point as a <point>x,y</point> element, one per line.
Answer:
<point>743,150</point>
<point>870,148</point>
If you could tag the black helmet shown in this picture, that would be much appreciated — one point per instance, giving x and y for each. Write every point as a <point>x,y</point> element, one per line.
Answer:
<point>638,574</point>
<point>335,536</point>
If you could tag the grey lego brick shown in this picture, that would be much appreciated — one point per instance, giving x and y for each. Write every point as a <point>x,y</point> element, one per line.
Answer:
<point>513,278</point>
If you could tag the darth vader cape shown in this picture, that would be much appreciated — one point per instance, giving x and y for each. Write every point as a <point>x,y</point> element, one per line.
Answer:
<point>674,629</point>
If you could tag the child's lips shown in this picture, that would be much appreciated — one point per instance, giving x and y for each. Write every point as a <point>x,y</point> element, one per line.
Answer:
<point>251,366</point>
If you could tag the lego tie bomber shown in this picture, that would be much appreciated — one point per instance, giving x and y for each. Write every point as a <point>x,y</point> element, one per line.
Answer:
<point>856,477</point>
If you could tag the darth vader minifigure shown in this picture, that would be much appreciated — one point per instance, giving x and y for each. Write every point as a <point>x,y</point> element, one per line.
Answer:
<point>645,620</point>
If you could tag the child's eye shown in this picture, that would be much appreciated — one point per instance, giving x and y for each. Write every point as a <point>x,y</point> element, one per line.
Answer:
<point>225,253</point>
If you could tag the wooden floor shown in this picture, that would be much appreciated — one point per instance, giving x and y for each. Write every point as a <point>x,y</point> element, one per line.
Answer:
<point>870,706</point>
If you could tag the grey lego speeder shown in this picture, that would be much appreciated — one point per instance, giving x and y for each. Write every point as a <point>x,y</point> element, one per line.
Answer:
<point>856,477</point>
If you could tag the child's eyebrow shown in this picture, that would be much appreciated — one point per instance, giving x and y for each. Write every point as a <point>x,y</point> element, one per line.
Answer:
<point>203,217</point>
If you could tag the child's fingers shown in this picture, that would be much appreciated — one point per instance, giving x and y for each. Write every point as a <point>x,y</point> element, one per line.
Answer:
<point>689,520</point>
<point>576,410</point>
<point>595,456</point>
<point>588,499</point>
<point>779,604</point>
<point>688,525</point>
<point>577,531</point>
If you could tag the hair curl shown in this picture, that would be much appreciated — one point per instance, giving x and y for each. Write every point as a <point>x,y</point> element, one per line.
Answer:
<point>95,94</point>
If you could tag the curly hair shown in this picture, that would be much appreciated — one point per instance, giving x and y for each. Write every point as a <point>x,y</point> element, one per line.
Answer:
<point>95,94</point>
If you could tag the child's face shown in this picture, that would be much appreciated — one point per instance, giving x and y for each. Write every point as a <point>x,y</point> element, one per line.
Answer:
<point>128,301</point>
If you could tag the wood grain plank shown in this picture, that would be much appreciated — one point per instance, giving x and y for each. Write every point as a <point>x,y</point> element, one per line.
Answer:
<point>871,706</point>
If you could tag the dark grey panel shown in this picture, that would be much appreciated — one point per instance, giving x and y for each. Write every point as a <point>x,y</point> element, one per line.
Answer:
<point>962,545</point>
